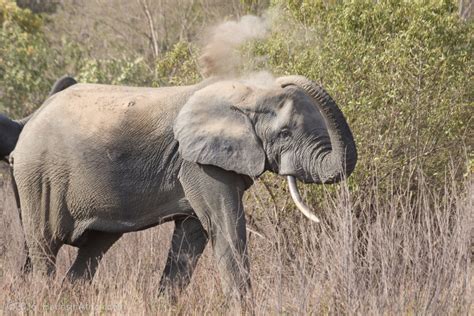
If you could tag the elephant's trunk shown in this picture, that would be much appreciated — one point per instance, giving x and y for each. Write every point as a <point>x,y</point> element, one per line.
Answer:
<point>340,161</point>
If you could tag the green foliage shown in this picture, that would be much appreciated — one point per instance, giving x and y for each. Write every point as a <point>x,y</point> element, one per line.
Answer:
<point>11,14</point>
<point>401,72</point>
<point>29,65</point>
<point>176,67</point>
<point>254,6</point>
<point>23,60</point>
<point>115,71</point>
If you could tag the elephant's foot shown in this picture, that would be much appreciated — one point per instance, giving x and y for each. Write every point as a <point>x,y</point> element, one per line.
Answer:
<point>41,259</point>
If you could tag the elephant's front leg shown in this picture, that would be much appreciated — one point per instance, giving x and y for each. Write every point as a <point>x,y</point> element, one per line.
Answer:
<point>229,241</point>
<point>187,244</point>
<point>216,197</point>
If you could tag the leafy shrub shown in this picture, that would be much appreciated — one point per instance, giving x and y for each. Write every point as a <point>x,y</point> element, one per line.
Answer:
<point>115,71</point>
<point>23,60</point>
<point>11,14</point>
<point>176,67</point>
<point>401,72</point>
<point>29,65</point>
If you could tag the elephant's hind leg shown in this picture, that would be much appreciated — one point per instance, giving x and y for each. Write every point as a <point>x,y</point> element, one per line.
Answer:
<point>42,254</point>
<point>187,244</point>
<point>41,217</point>
<point>40,245</point>
<point>90,254</point>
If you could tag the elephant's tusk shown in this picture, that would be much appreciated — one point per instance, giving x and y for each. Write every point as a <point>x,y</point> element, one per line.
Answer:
<point>295,195</point>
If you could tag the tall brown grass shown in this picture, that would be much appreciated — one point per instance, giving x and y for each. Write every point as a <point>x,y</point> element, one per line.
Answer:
<point>406,250</point>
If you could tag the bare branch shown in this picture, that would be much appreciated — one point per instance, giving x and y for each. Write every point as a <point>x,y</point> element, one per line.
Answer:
<point>151,25</point>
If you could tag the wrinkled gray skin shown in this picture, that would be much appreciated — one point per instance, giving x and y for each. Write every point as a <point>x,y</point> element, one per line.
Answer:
<point>97,161</point>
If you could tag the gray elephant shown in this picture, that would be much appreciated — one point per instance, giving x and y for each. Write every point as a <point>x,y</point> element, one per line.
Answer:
<point>97,161</point>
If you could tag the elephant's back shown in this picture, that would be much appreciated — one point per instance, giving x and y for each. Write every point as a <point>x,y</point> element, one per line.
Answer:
<point>89,115</point>
<point>93,109</point>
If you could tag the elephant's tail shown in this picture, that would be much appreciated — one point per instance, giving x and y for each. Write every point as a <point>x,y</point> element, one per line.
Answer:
<point>10,129</point>
<point>27,266</point>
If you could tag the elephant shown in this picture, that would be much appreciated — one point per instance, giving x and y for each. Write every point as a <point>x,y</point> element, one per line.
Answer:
<point>96,161</point>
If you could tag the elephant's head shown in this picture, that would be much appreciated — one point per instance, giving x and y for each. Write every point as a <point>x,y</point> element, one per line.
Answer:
<point>293,128</point>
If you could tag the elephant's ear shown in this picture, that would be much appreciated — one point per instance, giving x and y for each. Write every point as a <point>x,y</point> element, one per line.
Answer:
<point>212,130</point>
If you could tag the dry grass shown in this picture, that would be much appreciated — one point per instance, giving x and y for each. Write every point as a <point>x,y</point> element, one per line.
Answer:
<point>406,251</point>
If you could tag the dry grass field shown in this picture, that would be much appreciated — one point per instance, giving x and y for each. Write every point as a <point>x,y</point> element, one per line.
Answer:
<point>398,252</point>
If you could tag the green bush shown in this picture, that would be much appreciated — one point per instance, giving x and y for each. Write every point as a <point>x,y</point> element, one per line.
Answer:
<point>23,60</point>
<point>176,67</point>
<point>401,72</point>
<point>29,65</point>
<point>115,71</point>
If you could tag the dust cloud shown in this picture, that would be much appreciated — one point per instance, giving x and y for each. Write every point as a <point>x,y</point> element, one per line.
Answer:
<point>260,79</point>
<point>220,55</point>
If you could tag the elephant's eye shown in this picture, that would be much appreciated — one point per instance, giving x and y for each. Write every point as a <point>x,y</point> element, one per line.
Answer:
<point>285,133</point>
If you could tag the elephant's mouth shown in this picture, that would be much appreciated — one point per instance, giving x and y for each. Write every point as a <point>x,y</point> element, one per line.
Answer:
<point>290,165</point>
<point>295,195</point>
<point>303,176</point>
